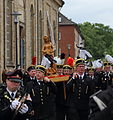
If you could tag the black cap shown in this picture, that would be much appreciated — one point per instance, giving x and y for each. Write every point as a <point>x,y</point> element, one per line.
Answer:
<point>79,61</point>
<point>41,68</point>
<point>107,63</point>
<point>15,76</point>
<point>91,69</point>
<point>59,66</point>
<point>67,67</point>
<point>32,67</point>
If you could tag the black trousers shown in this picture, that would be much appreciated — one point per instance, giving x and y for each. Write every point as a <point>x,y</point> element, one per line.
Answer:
<point>51,117</point>
<point>60,112</point>
<point>77,114</point>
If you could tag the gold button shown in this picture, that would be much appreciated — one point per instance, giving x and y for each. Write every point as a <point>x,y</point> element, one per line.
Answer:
<point>79,94</point>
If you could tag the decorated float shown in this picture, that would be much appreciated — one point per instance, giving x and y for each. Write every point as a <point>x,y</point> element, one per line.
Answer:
<point>50,63</point>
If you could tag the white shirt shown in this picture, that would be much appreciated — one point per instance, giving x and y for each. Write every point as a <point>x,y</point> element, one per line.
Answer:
<point>39,81</point>
<point>32,78</point>
<point>11,92</point>
<point>81,75</point>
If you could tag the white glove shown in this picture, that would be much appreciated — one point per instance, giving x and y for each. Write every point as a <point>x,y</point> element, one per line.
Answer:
<point>23,109</point>
<point>14,104</point>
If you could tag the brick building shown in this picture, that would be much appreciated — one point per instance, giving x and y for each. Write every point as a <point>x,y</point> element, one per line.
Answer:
<point>69,36</point>
<point>20,40</point>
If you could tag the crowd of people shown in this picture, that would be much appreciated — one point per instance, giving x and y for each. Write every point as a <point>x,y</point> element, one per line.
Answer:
<point>31,95</point>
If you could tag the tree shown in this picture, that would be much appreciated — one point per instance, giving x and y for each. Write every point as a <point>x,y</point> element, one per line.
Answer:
<point>98,39</point>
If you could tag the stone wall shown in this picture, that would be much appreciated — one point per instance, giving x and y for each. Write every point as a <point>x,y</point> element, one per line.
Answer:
<point>28,32</point>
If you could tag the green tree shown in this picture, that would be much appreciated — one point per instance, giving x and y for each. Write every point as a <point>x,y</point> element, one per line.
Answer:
<point>98,39</point>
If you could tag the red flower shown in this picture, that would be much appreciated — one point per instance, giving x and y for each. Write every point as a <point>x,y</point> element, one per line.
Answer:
<point>34,60</point>
<point>70,61</point>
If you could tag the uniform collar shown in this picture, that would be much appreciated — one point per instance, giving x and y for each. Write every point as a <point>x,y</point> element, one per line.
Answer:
<point>10,92</point>
<point>39,81</point>
<point>82,76</point>
<point>32,78</point>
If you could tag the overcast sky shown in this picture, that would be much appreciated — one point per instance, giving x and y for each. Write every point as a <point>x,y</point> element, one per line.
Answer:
<point>93,11</point>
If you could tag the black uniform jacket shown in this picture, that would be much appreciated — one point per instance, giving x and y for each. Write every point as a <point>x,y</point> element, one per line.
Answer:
<point>5,101</point>
<point>43,98</point>
<point>78,92</point>
<point>107,113</point>
<point>98,81</point>
<point>27,78</point>
<point>61,91</point>
<point>106,80</point>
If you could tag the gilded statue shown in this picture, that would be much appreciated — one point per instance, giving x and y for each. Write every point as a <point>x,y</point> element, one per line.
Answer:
<point>47,47</point>
<point>48,52</point>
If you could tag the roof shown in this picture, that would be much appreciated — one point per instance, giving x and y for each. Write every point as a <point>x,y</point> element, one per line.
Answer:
<point>68,22</point>
<point>65,20</point>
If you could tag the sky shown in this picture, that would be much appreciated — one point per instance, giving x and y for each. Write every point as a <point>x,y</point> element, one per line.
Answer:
<point>93,11</point>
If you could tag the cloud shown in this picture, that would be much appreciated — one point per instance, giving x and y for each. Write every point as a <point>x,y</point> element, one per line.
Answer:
<point>94,11</point>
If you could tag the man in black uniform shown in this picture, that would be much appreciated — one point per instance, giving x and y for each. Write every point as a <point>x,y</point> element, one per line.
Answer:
<point>94,77</point>
<point>106,77</point>
<point>11,106</point>
<point>29,75</point>
<point>98,81</point>
<point>61,94</point>
<point>79,88</point>
<point>67,70</point>
<point>101,105</point>
<point>43,92</point>
<point>59,70</point>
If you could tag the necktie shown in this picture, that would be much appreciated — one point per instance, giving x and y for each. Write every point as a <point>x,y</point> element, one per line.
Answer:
<point>12,95</point>
<point>80,77</point>
<point>41,82</point>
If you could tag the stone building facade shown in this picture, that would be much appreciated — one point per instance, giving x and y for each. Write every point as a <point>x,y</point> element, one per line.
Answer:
<point>20,40</point>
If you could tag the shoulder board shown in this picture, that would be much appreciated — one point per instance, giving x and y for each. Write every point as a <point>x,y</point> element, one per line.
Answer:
<point>95,93</point>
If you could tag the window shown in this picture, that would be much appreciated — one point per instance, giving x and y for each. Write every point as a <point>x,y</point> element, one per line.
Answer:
<point>59,35</point>
<point>60,19</point>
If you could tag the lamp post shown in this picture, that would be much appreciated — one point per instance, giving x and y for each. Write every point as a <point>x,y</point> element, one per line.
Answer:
<point>16,14</point>
<point>69,47</point>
